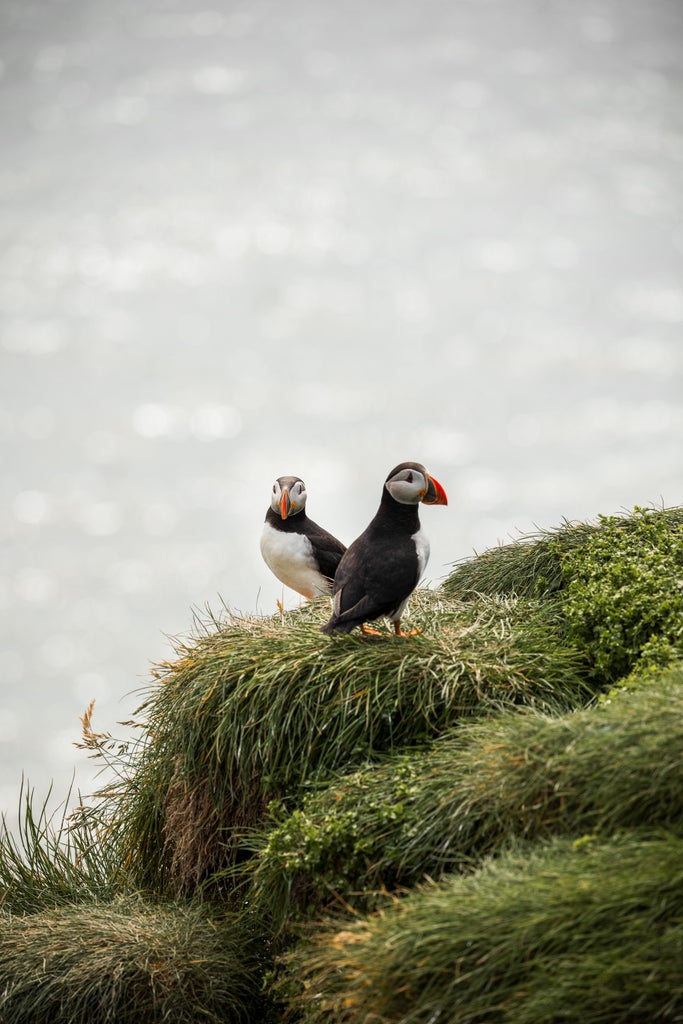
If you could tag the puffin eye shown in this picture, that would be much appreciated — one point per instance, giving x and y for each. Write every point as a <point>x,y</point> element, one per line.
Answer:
<point>409,478</point>
<point>274,489</point>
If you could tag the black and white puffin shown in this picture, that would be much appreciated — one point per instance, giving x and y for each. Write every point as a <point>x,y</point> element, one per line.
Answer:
<point>300,553</point>
<point>382,567</point>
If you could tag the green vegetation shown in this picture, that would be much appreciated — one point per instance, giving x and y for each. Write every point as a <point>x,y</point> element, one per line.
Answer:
<point>477,788</point>
<point>533,566</point>
<point>618,583</point>
<point>258,710</point>
<point>528,567</point>
<point>50,863</point>
<point>482,822</point>
<point>625,594</point>
<point>125,962</point>
<point>571,931</point>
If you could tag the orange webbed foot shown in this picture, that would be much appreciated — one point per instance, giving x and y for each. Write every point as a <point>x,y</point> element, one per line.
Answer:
<point>404,632</point>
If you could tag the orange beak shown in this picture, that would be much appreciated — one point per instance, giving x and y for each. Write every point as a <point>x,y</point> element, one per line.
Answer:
<point>285,504</point>
<point>435,493</point>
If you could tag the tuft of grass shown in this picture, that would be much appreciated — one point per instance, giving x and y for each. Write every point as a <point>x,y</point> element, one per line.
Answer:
<point>127,963</point>
<point>257,709</point>
<point>534,564</point>
<point>526,776</point>
<point>55,858</point>
<point>579,931</point>
<point>530,566</point>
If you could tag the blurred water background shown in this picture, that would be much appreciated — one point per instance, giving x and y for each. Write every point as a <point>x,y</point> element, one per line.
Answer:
<point>240,240</point>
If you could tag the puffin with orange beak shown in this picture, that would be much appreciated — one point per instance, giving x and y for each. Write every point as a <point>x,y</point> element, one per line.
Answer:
<point>382,567</point>
<point>300,553</point>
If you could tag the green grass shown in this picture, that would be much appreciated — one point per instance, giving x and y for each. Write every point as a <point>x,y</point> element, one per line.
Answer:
<point>530,566</point>
<point>259,709</point>
<point>616,584</point>
<point>478,787</point>
<point>281,776</point>
<point>585,932</point>
<point>534,564</point>
<point>127,963</point>
<point>55,858</point>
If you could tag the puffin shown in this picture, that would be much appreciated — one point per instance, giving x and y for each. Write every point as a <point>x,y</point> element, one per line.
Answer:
<point>300,553</point>
<point>382,567</point>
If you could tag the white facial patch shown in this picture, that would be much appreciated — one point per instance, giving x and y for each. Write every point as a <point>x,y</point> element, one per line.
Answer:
<point>297,496</point>
<point>289,556</point>
<point>408,487</point>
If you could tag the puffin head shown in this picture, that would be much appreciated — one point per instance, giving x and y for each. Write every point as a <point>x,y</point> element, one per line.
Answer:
<point>288,496</point>
<point>410,483</point>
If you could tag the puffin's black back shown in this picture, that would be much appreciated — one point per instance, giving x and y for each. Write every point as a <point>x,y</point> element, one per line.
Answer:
<point>380,568</point>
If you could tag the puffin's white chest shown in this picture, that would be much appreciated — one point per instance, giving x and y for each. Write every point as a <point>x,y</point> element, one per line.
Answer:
<point>422,551</point>
<point>289,556</point>
<point>422,548</point>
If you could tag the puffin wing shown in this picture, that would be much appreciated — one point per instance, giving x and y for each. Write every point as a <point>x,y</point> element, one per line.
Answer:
<point>361,611</point>
<point>361,594</point>
<point>328,550</point>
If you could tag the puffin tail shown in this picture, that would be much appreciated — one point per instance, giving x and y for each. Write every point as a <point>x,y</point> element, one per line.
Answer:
<point>335,626</point>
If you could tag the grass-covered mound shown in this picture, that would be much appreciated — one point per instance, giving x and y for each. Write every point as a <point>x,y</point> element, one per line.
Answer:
<point>79,946</point>
<point>624,593</point>
<point>281,773</point>
<point>127,962</point>
<point>619,579</point>
<point>580,931</point>
<point>260,708</point>
<point>478,787</point>
<point>530,566</point>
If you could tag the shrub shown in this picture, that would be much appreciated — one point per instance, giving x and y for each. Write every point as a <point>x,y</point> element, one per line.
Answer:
<point>625,593</point>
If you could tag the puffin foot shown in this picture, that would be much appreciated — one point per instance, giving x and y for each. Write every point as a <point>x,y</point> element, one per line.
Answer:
<point>402,632</point>
<point>368,631</point>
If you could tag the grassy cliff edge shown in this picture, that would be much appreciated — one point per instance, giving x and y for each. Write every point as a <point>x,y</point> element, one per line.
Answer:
<point>482,822</point>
